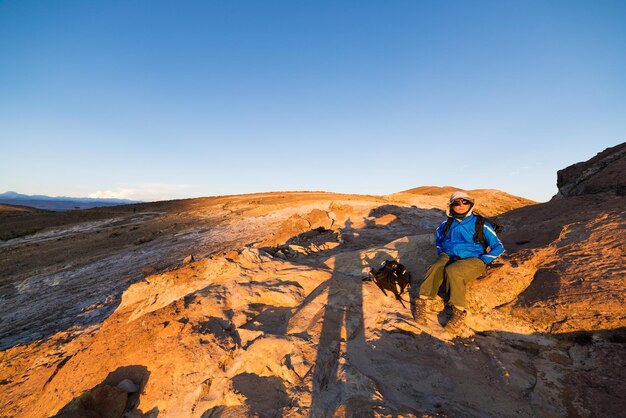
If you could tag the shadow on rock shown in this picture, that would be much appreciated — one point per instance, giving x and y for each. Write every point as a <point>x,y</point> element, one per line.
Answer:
<point>222,331</point>
<point>117,396</point>
<point>340,386</point>
<point>269,319</point>
<point>265,397</point>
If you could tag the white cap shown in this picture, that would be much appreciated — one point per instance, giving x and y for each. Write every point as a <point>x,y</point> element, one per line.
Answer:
<point>461,195</point>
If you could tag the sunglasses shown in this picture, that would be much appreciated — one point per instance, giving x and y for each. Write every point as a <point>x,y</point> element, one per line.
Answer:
<point>460,202</point>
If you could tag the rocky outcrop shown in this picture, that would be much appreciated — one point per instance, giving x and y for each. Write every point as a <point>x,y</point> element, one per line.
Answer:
<point>571,250</point>
<point>564,266</point>
<point>285,325</point>
<point>604,173</point>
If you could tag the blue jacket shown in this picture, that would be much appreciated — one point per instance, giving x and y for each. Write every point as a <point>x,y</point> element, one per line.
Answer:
<point>460,241</point>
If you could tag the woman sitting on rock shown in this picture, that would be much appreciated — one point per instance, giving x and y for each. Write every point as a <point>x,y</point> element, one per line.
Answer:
<point>462,258</point>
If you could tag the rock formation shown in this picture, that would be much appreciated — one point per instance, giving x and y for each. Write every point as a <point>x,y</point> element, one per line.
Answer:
<point>604,173</point>
<point>271,317</point>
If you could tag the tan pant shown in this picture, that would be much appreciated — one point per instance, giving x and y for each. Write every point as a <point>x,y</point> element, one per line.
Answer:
<point>459,273</point>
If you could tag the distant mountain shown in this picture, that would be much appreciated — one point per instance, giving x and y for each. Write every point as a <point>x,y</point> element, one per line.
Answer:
<point>59,203</point>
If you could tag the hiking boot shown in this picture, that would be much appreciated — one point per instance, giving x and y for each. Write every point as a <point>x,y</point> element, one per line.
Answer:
<point>456,321</point>
<point>419,315</point>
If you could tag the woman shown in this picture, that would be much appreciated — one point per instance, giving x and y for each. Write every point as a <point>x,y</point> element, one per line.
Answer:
<point>461,259</point>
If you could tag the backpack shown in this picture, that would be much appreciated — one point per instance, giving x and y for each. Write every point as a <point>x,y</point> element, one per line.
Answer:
<point>479,236</point>
<point>391,276</point>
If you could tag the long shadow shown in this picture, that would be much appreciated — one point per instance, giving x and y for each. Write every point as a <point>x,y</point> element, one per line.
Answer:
<point>338,386</point>
<point>117,396</point>
<point>342,329</point>
<point>354,377</point>
<point>266,397</point>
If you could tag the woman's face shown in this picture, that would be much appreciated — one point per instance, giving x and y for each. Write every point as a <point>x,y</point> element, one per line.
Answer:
<point>460,206</point>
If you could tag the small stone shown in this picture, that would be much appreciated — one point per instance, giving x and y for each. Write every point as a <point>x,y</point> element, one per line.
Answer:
<point>313,248</point>
<point>330,245</point>
<point>188,259</point>
<point>298,249</point>
<point>128,386</point>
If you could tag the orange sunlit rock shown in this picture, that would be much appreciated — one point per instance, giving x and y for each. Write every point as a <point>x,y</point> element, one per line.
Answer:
<point>255,305</point>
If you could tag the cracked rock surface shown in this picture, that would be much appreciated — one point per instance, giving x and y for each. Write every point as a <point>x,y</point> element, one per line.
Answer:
<point>271,318</point>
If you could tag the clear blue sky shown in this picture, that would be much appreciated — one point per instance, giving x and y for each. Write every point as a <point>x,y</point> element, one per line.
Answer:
<point>168,99</point>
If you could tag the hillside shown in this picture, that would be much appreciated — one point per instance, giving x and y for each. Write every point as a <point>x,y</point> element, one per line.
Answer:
<point>58,203</point>
<point>271,316</point>
<point>499,202</point>
<point>4,208</point>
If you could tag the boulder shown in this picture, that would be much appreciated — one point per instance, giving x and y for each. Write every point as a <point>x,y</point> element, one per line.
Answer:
<point>603,173</point>
<point>340,213</point>
<point>297,249</point>
<point>290,228</point>
<point>319,219</point>
<point>128,386</point>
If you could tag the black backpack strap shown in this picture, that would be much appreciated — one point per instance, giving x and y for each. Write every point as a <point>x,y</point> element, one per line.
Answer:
<point>447,226</point>
<point>479,236</point>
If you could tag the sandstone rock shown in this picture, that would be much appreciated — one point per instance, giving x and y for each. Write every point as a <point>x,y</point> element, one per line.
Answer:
<point>339,213</point>
<point>329,245</point>
<point>251,255</point>
<point>231,255</point>
<point>488,202</point>
<point>292,227</point>
<point>318,218</point>
<point>297,249</point>
<point>313,248</point>
<point>248,336</point>
<point>603,173</point>
<point>244,334</point>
